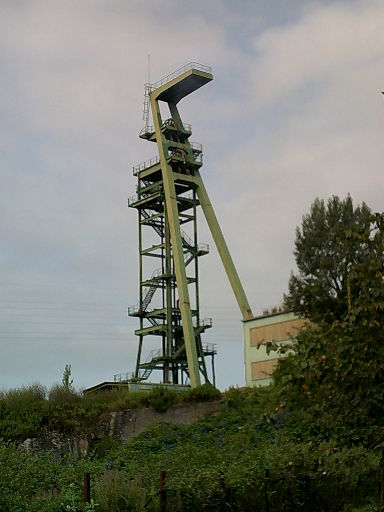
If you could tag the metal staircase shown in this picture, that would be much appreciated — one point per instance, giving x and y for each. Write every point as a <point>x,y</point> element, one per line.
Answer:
<point>150,290</point>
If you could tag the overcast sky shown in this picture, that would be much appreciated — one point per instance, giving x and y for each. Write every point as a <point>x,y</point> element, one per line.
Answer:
<point>294,112</point>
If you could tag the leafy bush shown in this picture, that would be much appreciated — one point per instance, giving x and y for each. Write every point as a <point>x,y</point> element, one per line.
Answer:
<point>105,445</point>
<point>203,393</point>
<point>21,411</point>
<point>62,393</point>
<point>162,398</point>
<point>24,397</point>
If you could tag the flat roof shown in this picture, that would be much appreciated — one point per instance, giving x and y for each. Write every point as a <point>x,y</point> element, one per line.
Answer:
<point>105,385</point>
<point>258,317</point>
<point>181,86</point>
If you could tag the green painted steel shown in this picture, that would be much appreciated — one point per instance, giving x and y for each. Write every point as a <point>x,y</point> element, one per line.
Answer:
<point>223,250</point>
<point>169,190</point>
<point>177,248</point>
<point>166,201</point>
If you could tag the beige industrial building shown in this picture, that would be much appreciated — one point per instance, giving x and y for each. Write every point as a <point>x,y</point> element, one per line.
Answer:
<point>280,327</point>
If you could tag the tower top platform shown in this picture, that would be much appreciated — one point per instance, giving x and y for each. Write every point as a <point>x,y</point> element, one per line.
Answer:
<point>182,82</point>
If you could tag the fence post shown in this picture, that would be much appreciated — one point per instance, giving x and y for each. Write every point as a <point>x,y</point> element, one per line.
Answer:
<point>163,492</point>
<point>87,487</point>
<point>266,489</point>
<point>382,477</point>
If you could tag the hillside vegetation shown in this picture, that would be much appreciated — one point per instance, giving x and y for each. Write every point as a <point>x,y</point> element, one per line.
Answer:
<point>29,411</point>
<point>254,455</point>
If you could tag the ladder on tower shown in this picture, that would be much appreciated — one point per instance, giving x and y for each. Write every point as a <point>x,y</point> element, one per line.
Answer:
<point>147,90</point>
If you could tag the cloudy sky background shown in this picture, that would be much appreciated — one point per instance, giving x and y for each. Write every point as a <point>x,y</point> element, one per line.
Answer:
<point>294,112</point>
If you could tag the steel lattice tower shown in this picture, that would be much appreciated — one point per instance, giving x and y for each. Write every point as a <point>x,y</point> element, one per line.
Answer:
<point>169,191</point>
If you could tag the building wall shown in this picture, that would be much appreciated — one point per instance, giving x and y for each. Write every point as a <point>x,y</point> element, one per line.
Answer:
<point>258,332</point>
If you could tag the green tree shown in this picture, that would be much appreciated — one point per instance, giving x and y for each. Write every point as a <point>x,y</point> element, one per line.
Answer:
<point>66,380</point>
<point>336,370</point>
<point>325,252</point>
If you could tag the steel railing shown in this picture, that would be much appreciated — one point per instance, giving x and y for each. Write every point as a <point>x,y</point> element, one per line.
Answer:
<point>205,322</point>
<point>178,72</point>
<point>209,347</point>
<point>145,165</point>
<point>198,158</point>
<point>148,88</point>
<point>150,129</point>
<point>121,377</point>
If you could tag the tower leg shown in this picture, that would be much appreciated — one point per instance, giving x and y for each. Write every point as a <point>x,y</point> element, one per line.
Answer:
<point>177,250</point>
<point>138,357</point>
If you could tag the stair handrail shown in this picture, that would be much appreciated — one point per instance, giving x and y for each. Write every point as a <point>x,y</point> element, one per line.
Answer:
<point>136,308</point>
<point>191,244</point>
<point>152,355</point>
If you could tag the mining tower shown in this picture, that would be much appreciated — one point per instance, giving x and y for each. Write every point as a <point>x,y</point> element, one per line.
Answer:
<point>169,192</point>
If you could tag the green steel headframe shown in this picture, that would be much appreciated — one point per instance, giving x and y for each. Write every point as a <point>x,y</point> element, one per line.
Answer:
<point>169,191</point>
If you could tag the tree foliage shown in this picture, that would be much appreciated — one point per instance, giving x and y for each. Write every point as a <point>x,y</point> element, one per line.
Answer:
<point>336,372</point>
<point>66,380</point>
<point>325,251</point>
